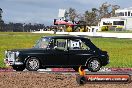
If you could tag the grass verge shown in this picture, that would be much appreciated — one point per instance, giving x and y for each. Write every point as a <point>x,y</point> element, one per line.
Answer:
<point>120,50</point>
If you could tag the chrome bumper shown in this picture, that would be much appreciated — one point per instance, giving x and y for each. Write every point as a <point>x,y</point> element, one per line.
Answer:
<point>12,62</point>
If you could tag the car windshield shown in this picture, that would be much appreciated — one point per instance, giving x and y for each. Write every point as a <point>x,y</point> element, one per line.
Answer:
<point>42,43</point>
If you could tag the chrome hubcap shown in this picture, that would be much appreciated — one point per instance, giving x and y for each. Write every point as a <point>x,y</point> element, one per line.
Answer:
<point>94,64</point>
<point>33,64</point>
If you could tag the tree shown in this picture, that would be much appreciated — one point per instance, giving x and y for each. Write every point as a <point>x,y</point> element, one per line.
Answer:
<point>11,26</point>
<point>0,14</point>
<point>66,15</point>
<point>104,10</point>
<point>72,14</point>
<point>94,10</point>
<point>1,21</point>
<point>81,17</point>
<point>90,18</point>
<point>114,7</point>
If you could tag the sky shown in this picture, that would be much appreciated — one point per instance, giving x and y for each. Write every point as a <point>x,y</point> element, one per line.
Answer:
<point>44,11</point>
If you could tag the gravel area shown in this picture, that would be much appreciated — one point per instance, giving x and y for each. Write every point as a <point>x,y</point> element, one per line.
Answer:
<point>45,80</point>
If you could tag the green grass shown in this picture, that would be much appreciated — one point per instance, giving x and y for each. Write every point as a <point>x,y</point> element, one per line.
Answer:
<point>120,50</point>
<point>124,31</point>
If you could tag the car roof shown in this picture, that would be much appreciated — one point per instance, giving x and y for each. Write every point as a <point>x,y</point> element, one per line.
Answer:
<point>65,36</point>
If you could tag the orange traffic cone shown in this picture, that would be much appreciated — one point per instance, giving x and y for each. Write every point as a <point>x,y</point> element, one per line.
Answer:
<point>81,79</point>
<point>81,71</point>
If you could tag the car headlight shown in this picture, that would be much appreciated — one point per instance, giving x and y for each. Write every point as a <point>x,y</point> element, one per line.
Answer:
<point>6,54</point>
<point>17,53</point>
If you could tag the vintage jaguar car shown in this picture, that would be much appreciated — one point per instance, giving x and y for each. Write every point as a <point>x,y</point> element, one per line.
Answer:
<point>59,52</point>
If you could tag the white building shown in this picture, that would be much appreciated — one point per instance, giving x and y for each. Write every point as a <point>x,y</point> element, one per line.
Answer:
<point>126,12</point>
<point>123,19</point>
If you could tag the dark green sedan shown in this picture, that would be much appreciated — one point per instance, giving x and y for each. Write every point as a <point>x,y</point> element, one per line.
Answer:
<point>58,52</point>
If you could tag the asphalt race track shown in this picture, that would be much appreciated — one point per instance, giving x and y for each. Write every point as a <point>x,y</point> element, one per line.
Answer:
<point>71,71</point>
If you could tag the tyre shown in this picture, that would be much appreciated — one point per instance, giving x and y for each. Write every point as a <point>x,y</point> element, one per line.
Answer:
<point>18,68</point>
<point>94,65</point>
<point>81,80</point>
<point>32,64</point>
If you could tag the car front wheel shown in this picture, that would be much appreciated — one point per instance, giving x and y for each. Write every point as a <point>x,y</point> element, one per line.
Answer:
<point>94,65</point>
<point>32,64</point>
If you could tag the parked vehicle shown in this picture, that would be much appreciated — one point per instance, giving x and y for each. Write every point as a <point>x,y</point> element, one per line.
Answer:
<point>60,52</point>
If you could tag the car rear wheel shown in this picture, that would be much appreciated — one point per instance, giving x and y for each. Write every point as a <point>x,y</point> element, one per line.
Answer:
<point>94,65</point>
<point>32,64</point>
<point>18,68</point>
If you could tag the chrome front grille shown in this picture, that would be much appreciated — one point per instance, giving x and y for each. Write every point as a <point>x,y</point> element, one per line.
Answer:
<point>10,56</point>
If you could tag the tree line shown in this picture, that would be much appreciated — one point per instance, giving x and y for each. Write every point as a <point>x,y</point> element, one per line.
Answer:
<point>89,18</point>
<point>22,27</point>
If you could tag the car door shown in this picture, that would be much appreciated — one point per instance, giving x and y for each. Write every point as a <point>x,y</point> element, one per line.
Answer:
<point>78,52</point>
<point>57,55</point>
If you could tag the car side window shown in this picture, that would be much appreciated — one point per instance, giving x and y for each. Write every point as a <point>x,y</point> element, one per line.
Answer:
<point>60,44</point>
<point>77,44</point>
<point>84,46</point>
